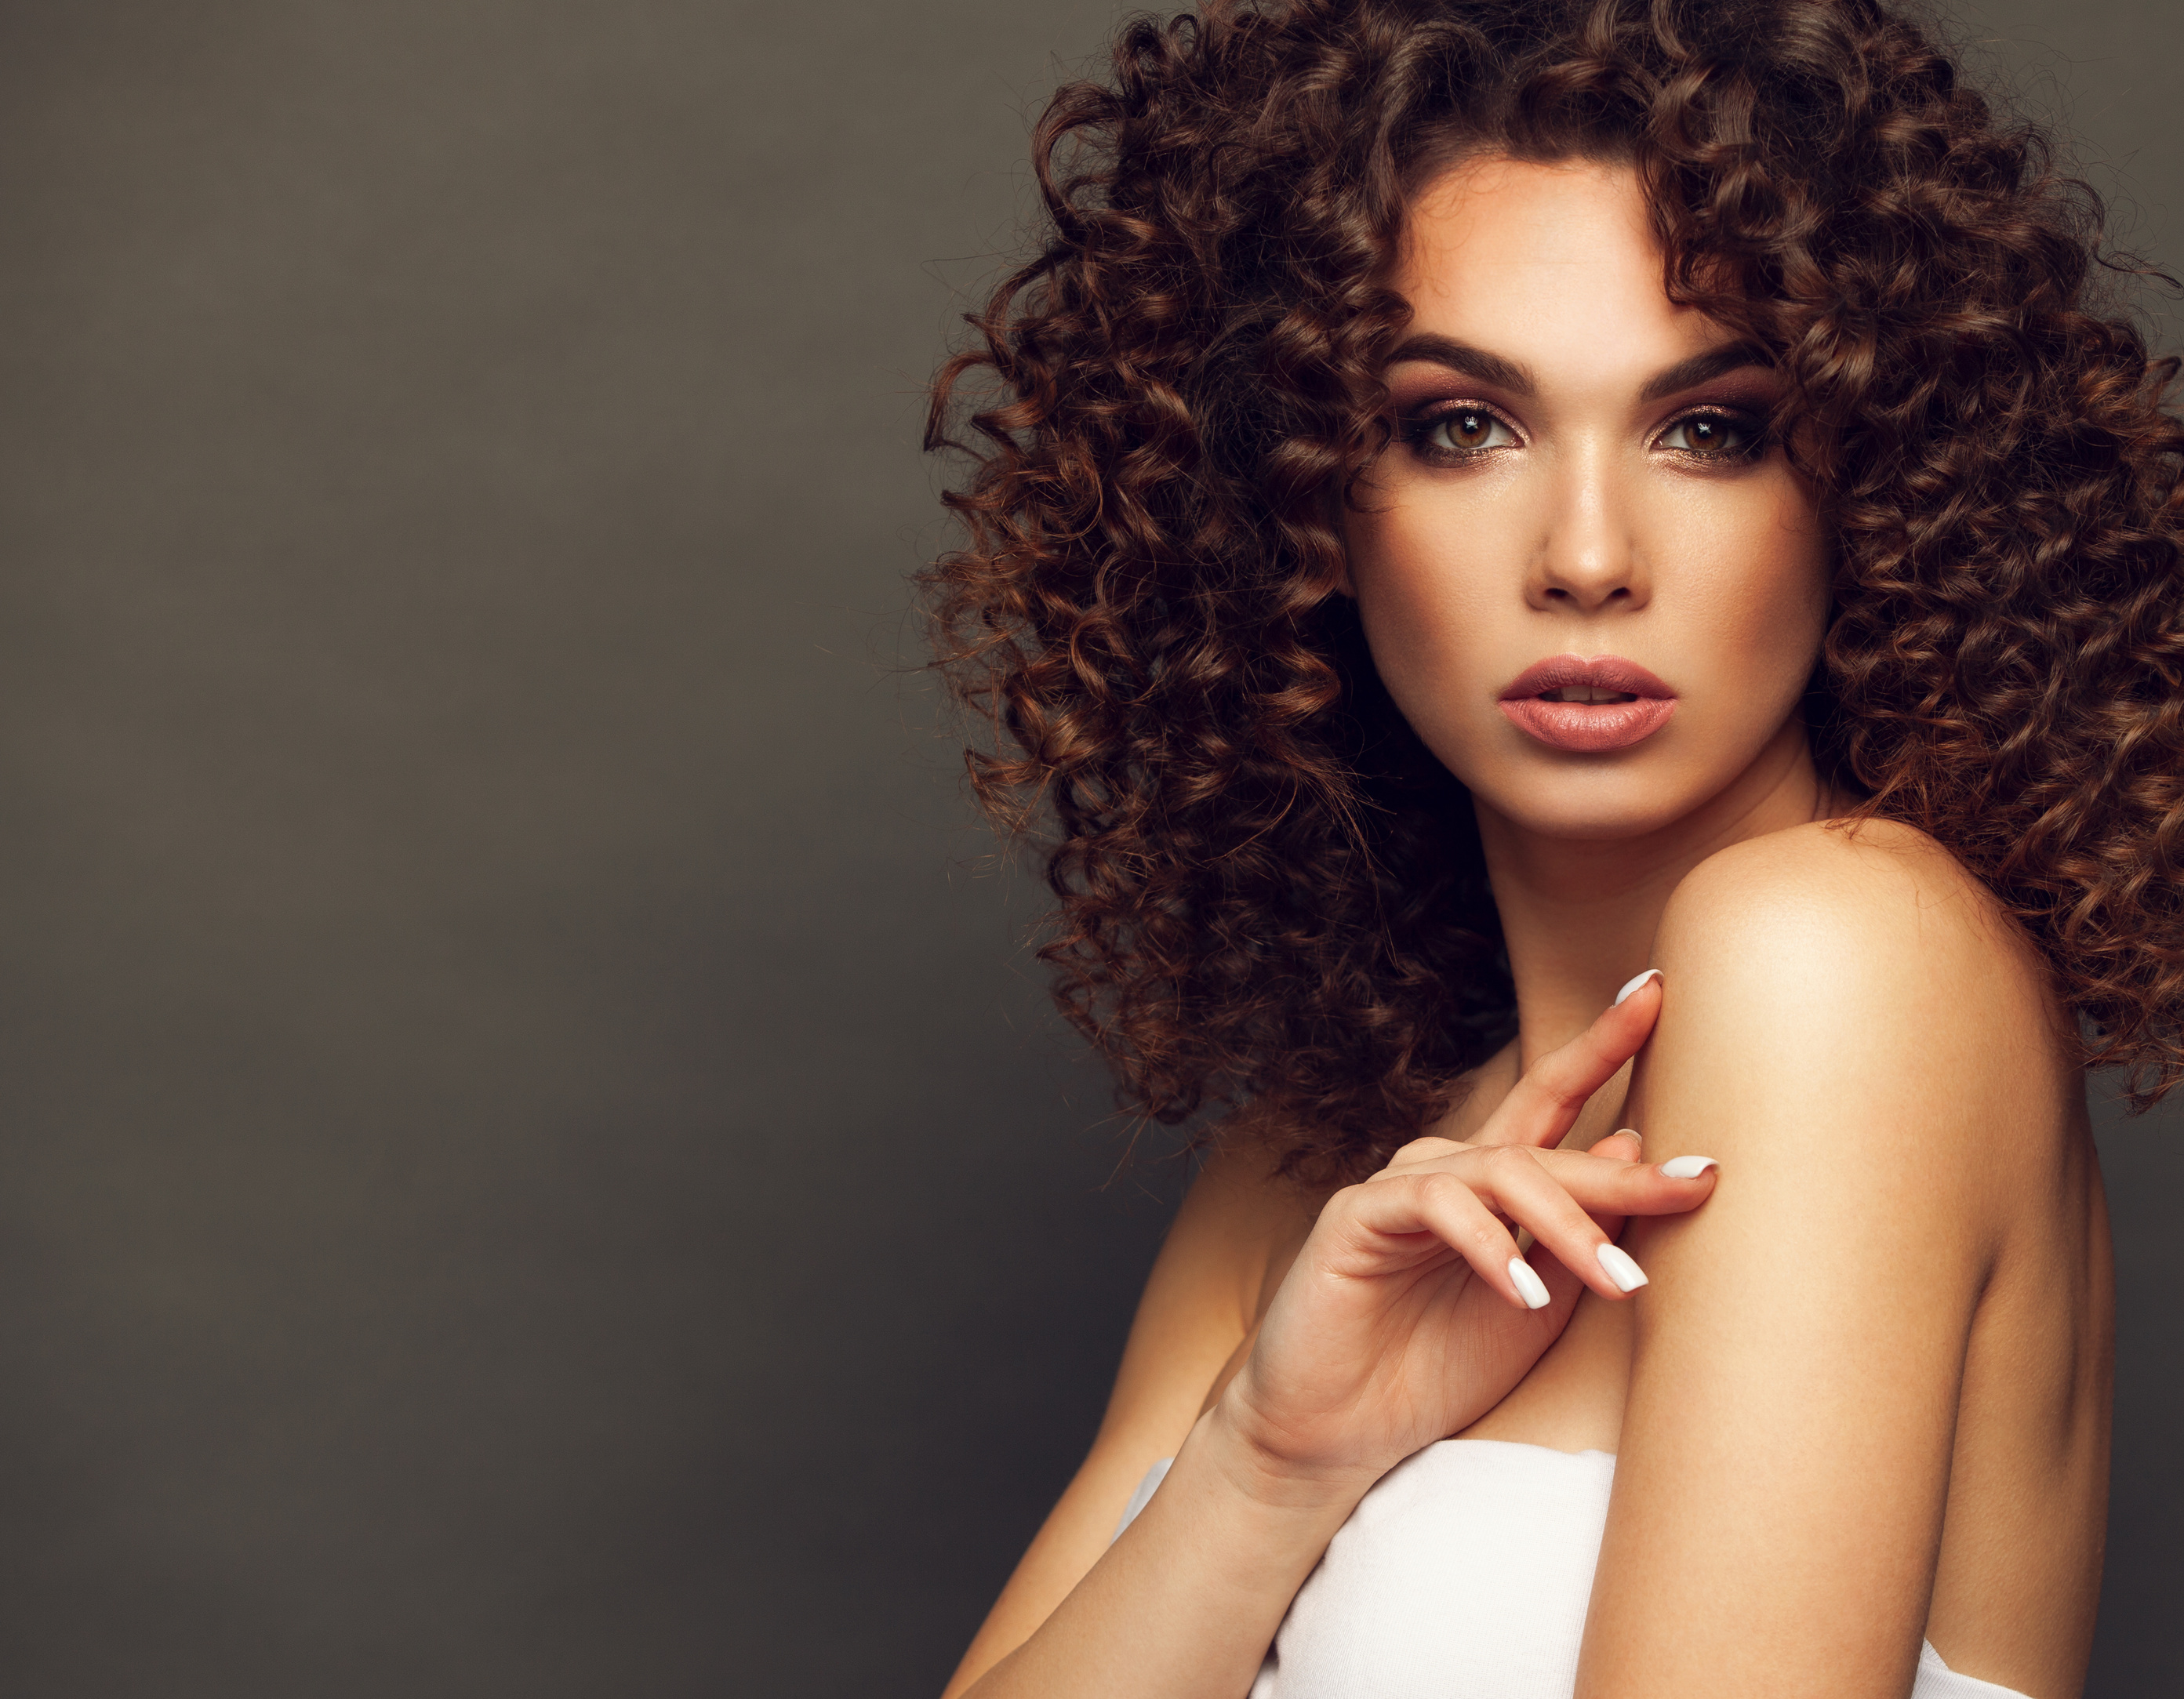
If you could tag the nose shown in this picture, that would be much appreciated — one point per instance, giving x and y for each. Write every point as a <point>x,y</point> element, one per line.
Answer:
<point>1588,559</point>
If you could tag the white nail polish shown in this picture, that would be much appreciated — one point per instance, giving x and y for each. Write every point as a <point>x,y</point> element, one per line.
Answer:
<point>1650,973</point>
<point>1627,1275</point>
<point>1687,1167</point>
<point>1530,1287</point>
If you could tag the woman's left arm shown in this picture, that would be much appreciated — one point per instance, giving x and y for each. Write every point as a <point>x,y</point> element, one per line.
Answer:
<point>1855,1034</point>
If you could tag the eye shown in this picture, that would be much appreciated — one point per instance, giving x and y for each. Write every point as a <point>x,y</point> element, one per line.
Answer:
<point>1458,432</point>
<point>1715,437</point>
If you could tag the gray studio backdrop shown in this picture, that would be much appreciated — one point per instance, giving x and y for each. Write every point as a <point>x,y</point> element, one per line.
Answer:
<point>532,1161</point>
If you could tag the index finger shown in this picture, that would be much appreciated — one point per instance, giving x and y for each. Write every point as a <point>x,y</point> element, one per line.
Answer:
<point>1541,1105</point>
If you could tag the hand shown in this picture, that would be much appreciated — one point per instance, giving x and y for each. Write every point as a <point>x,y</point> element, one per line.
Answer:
<point>1402,1320</point>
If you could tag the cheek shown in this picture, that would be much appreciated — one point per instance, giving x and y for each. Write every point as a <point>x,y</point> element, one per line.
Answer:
<point>1434,584</point>
<point>1754,579</point>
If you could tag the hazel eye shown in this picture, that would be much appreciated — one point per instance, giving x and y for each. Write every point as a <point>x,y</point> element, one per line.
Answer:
<point>1714,437</point>
<point>1465,431</point>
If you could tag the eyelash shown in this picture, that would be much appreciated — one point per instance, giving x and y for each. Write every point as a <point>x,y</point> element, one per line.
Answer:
<point>1415,431</point>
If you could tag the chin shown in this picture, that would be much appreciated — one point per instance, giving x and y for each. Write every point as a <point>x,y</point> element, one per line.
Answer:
<point>1590,817</point>
<point>1593,800</point>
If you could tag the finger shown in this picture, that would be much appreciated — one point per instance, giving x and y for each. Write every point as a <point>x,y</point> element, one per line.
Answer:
<point>1600,1180</point>
<point>1435,1201</point>
<point>1542,1105</point>
<point>1610,1185</point>
<point>1623,1147</point>
<point>1514,1181</point>
<point>1574,1204</point>
<point>1426,1150</point>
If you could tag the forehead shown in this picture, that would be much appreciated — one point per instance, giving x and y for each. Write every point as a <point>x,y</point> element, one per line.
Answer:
<point>1522,258</point>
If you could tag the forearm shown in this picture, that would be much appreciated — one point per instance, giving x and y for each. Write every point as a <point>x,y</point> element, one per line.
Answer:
<point>1185,1604</point>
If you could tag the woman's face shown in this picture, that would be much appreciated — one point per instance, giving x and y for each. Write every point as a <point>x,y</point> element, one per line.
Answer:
<point>1588,580</point>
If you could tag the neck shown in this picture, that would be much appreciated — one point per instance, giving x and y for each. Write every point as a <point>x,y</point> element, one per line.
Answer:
<point>1578,914</point>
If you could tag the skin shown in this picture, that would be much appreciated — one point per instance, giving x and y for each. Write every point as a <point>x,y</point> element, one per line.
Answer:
<point>1865,1396</point>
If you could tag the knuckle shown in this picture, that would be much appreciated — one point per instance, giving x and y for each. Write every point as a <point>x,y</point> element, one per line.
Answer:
<point>1443,1187</point>
<point>1557,1083</point>
<point>1568,1086</point>
<point>1507,1163</point>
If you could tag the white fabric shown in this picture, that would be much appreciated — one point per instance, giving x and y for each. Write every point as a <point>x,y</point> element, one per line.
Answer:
<point>1402,1606</point>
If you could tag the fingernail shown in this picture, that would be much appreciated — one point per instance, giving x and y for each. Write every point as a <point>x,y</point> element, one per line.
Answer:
<point>1687,1167</point>
<point>1650,973</point>
<point>1532,1289</point>
<point>1631,1133</point>
<point>1627,1275</point>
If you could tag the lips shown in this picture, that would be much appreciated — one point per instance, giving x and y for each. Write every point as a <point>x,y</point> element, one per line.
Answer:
<point>1618,703</point>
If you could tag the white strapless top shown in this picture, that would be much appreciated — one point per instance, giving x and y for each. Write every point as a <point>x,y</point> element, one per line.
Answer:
<point>1401,1608</point>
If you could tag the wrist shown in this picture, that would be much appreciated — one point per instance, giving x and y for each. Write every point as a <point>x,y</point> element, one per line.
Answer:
<point>1239,1453</point>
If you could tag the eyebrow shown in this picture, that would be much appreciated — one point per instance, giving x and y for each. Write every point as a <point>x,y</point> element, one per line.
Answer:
<point>1703,368</point>
<point>1487,368</point>
<point>1517,378</point>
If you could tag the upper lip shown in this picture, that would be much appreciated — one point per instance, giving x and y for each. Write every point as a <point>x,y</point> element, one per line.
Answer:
<point>1601,672</point>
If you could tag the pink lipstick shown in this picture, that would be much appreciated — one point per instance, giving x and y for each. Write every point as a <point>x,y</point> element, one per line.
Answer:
<point>1588,706</point>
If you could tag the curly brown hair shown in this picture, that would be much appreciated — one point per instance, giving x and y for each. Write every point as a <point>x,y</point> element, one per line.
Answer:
<point>1270,893</point>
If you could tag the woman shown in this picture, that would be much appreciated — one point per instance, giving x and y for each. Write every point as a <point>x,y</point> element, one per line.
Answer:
<point>1482,500</point>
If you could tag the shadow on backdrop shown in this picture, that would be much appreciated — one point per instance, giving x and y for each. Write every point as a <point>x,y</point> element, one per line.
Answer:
<point>534,1162</point>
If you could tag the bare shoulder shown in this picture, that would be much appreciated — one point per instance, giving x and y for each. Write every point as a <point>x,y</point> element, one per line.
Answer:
<point>1864,973</point>
<point>1238,1215</point>
<point>1877,915</point>
<point>1200,1304</point>
<point>1829,885</point>
<point>1239,1220</point>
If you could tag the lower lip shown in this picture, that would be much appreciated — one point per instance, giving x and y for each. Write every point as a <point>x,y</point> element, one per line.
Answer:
<point>1590,728</point>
